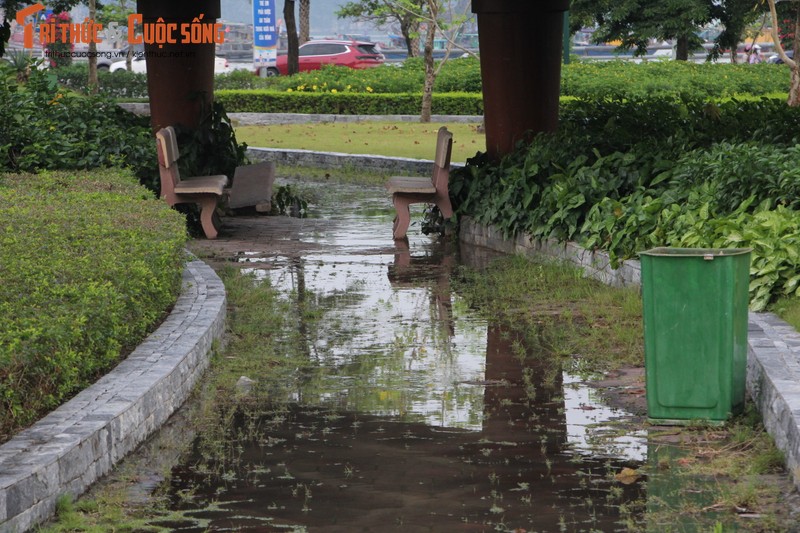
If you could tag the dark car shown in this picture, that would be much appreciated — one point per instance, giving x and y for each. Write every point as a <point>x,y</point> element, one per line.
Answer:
<point>315,54</point>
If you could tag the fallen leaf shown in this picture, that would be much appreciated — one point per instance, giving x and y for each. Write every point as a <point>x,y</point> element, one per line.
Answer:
<point>627,476</point>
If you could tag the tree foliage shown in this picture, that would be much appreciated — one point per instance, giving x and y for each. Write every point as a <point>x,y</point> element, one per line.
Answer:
<point>405,14</point>
<point>10,12</point>
<point>635,22</point>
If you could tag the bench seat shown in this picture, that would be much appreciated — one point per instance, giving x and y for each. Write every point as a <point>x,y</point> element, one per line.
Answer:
<point>202,184</point>
<point>407,190</point>
<point>406,184</point>
<point>205,191</point>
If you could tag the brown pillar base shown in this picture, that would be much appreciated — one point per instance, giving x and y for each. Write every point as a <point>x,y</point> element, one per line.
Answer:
<point>520,50</point>
<point>180,76</point>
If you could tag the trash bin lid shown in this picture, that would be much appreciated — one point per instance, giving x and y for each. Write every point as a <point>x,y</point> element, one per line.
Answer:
<point>666,251</point>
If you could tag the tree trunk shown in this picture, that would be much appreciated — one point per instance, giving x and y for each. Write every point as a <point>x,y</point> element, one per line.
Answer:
<point>682,48</point>
<point>305,14</point>
<point>410,31</point>
<point>293,64</point>
<point>794,88</point>
<point>93,83</point>
<point>430,72</point>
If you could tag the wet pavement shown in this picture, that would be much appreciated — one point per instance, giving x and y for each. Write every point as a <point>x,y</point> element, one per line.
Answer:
<point>419,416</point>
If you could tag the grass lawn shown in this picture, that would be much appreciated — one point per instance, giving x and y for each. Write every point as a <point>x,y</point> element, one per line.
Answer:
<point>395,139</point>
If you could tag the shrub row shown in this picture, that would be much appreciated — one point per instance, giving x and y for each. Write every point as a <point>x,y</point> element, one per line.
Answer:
<point>121,84</point>
<point>626,176</point>
<point>624,79</point>
<point>614,79</point>
<point>90,261</point>
<point>265,101</point>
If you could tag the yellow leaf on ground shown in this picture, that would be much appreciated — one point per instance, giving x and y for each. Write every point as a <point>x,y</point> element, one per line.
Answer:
<point>627,476</point>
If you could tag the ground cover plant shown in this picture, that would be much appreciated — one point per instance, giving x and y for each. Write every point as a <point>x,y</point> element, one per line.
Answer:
<point>627,175</point>
<point>90,262</point>
<point>391,139</point>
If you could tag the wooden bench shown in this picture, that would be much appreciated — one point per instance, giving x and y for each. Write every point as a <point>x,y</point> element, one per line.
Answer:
<point>414,190</point>
<point>205,191</point>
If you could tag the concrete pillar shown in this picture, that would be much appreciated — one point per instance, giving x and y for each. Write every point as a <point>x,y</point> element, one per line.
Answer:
<point>520,50</point>
<point>180,76</point>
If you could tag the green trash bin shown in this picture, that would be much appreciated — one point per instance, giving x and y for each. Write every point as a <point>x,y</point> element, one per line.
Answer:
<point>695,332</point>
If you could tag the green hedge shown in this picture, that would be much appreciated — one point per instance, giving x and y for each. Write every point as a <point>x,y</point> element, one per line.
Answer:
<point>624,79</point>
<point>121,84</point>
<point>89,263</point>
<point>265,101</point>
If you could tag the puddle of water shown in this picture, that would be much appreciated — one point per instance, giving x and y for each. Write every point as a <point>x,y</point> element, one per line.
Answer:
<point>418,415</point>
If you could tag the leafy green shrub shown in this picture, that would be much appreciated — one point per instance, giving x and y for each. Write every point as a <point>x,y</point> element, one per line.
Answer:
<point>44,127</point>
<point>682,79</point>
<point>120,84</point>
<point>585,80</point>
<point>90,261</point>
<point>457,75</point>
<point>347,103</point>
<point>625,176</point>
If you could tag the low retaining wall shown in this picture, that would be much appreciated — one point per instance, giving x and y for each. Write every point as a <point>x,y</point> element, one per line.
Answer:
<point>773,358</point>
<point>72,447</point>
<point>374,163</point>
<point>266,119</point>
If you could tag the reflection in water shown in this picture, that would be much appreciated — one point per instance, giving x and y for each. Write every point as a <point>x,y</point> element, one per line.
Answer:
<point>418,414</point>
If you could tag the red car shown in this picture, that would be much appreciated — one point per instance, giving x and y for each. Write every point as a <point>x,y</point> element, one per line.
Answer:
<point>315,54</point>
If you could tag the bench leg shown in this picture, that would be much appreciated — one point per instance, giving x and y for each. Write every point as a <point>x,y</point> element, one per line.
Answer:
<point>444,205</point>
<point>403,218</point>
<point>208,216</point>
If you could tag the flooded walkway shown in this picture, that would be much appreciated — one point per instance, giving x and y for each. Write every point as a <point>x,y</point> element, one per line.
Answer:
<point>419,414</point>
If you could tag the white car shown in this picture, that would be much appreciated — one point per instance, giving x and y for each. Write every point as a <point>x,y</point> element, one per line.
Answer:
<point>139,65</point>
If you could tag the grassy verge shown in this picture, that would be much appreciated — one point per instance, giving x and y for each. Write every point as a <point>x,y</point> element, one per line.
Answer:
<point>394,139</point>
<point>597,327</point>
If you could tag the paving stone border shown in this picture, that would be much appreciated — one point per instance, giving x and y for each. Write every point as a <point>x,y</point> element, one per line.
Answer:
<point>72,447</point>
<point>773,358</point>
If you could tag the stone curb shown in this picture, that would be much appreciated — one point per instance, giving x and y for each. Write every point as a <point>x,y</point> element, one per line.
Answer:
<point>72,447</point>
<point>375,163</point>
<point>773,355</point>
<point>264,119</point>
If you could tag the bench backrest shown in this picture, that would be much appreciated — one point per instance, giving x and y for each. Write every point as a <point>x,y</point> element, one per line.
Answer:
<point>441,163</point>
<point>168,154</point>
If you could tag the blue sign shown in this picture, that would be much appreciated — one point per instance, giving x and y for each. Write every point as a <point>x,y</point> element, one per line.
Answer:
<point>265,33</point>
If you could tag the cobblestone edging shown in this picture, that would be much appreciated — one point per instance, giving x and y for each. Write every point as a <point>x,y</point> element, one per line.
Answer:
<point>79,442</point>
<point>773,358</point>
